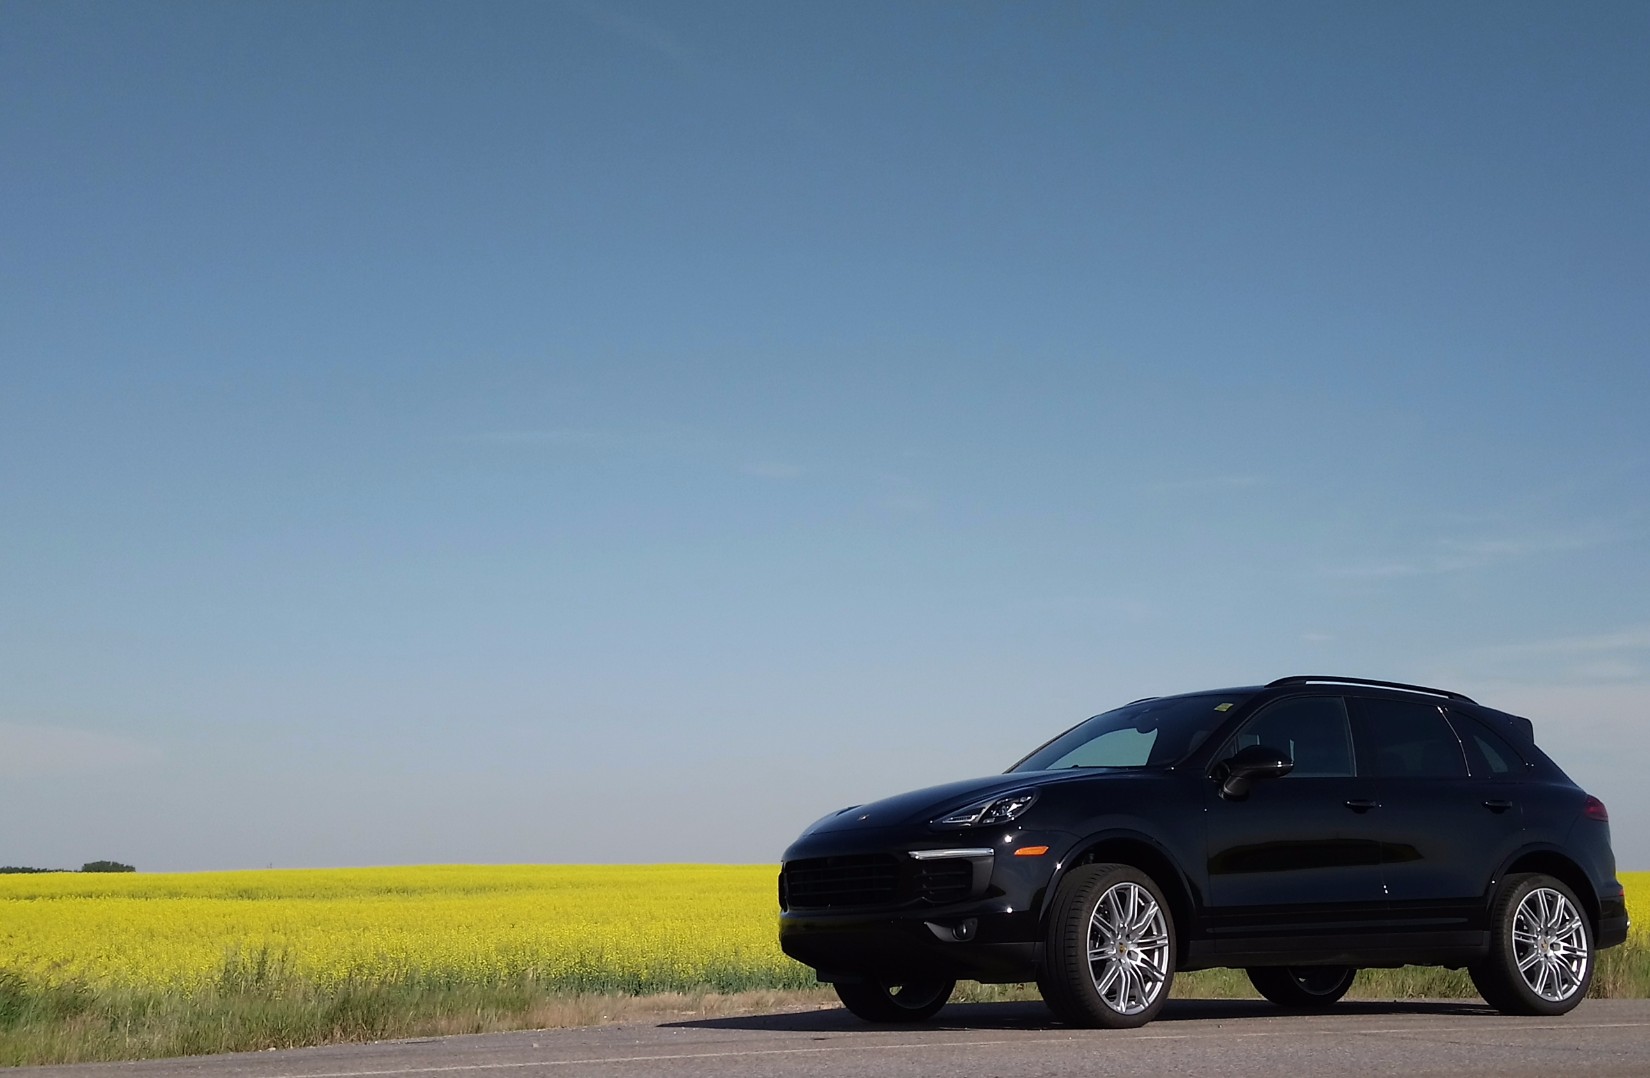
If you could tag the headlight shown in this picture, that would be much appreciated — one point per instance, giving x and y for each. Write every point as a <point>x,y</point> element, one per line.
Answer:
<point>993,810</point>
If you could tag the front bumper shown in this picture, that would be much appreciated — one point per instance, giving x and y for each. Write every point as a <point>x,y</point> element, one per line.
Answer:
<point>964,909</point>
<point>954,943</point>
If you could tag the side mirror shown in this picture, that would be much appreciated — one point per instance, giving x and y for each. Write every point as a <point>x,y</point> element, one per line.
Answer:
<point>1237,773</point>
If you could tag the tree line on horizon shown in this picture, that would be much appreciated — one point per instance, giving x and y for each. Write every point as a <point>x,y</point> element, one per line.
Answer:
<point>89,866</point>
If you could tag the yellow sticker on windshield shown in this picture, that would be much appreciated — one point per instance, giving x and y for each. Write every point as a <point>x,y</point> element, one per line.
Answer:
<point>1223,707</point>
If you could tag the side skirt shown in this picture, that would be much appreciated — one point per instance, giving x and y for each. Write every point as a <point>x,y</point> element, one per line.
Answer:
<point>1454,948</point>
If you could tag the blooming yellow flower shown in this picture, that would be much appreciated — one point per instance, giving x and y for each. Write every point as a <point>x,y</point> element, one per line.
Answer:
<point>628,928</point>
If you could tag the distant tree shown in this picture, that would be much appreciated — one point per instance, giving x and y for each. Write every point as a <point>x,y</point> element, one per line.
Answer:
<point>106,866</point>
<point>12,870</point>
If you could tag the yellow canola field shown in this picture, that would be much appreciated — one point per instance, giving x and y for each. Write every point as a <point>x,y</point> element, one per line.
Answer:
<point>1638,902</point>
<point>593,927</point>
<point>576,927</point>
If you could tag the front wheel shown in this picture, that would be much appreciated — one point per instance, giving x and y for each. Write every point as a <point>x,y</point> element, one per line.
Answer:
<point>1110,953</point>
<point>1541,948</point>
<point>880,1001</point>
<point>1302,988</point>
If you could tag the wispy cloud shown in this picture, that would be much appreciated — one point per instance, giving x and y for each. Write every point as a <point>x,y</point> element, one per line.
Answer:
<point>1619,655</point>
<point>1212,483</point>
<point>1634,638</point>
<point>769,469</point>
<point>640,31</point>
<point>28,751</point>
<point>902,494</point>
<point>906,503</point>
<point>1467,555</point>
<point>545,437</point>
<point>670,439</point>
<point>677,442</point>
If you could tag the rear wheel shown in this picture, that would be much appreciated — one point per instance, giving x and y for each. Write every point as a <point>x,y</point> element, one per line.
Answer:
<point>883,1001</point>
<point>1110,953</point>
<point>1302,988</point>
<point>1541,948</point>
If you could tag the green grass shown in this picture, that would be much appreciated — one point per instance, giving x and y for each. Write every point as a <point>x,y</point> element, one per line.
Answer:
<point>67,1027</point>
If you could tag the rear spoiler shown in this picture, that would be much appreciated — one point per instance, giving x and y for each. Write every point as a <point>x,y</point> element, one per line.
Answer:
<point>1517,725</point>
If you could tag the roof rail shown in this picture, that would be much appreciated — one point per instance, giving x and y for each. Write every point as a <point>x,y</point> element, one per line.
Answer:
<point>1305,679</point>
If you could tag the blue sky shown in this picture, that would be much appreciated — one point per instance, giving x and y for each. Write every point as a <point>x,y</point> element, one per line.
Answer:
<point>624,431</point>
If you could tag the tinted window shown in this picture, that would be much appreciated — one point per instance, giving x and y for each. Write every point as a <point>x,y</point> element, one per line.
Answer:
<point>1411,740</point>
<point>1312,731</point>
<point>1150,733</point>
<point>1114,748</point>
<point>1487,752</point>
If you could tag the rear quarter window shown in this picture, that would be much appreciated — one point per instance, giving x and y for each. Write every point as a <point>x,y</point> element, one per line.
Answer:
<point>1488,753</point>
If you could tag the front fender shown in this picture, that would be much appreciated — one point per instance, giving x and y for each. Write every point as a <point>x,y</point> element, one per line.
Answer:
<point>1133,845</point>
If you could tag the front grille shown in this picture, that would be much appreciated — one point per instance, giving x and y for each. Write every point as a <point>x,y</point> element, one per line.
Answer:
<point>948,880</point>
<point>874,879</point>
<point>851,880</point>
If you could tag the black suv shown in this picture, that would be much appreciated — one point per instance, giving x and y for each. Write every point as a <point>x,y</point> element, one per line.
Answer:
<point>1297,830</point>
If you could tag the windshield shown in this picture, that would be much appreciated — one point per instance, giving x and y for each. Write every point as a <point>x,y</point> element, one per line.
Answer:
<point>1150,733</point>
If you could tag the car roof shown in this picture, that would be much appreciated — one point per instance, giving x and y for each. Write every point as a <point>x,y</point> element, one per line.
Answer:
<point>1523,729</point>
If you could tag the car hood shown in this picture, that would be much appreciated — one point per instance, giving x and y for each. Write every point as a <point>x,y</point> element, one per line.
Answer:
<point>920,806</point>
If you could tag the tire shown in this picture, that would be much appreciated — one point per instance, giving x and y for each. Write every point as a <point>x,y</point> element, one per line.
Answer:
<point>1541,948</point>
<point>881,1001</point>
<point>1302,988</point>
<point>1110,953</point>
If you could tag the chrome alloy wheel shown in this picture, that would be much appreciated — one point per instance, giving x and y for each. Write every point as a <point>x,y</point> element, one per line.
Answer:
<point>1128,948</point>
<point>1550,944</point>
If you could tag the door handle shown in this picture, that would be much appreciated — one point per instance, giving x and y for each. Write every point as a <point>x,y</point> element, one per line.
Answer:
<point>1497,805</point>
<point>1363,806</point>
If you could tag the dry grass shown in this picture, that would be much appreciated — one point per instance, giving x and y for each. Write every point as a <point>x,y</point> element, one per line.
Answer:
<point>596,1009</point>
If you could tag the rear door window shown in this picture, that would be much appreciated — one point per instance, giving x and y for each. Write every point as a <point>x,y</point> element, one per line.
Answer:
<point>1409,740</point>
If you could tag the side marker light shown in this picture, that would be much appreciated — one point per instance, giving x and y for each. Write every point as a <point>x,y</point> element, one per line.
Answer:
<point>1031,851</point>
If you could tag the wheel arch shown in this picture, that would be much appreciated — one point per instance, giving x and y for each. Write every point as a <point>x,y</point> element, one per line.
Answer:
<point>1561,867</point>
<point>1141,852</point>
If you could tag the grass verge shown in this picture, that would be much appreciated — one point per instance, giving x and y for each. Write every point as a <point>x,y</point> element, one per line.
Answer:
<point>66,1027</point>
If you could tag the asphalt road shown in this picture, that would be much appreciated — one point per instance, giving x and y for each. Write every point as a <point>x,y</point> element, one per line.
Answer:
<point>1234,1039</point>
